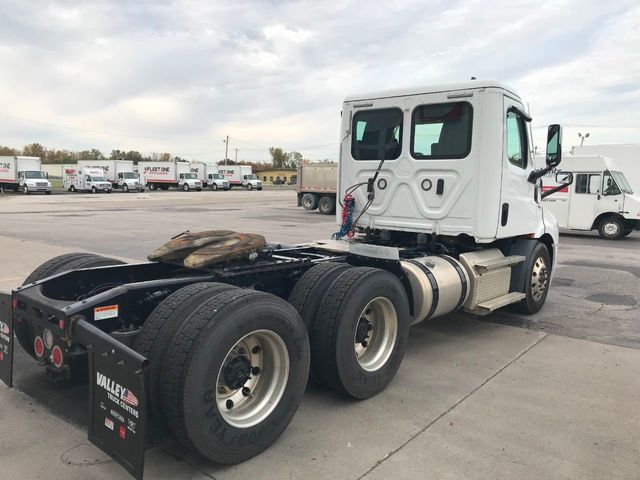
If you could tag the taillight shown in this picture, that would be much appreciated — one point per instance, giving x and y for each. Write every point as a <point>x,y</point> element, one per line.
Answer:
<point>47,336</point>
<point>38,346</point>
<point>56,356</point>
<point>14,303</point>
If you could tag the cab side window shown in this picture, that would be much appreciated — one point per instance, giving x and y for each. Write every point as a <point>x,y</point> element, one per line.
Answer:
<point>517,148</point>
<point>588,183</point>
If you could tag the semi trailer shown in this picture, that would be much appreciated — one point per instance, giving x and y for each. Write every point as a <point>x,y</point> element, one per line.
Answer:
<point>83,179</point>
<point>316,186</point>
<point>214,337</point>
<point>120,173</point>
<point>163,175</point>
<point>23,174</point>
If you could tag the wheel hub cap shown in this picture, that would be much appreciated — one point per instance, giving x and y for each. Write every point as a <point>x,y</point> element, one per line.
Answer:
<point>376,333</point>
<point>611,229</point>
<point>539,279</point>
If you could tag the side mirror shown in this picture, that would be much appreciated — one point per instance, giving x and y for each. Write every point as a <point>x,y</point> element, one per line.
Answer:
<point>564,178</point>
<point>554,145</point>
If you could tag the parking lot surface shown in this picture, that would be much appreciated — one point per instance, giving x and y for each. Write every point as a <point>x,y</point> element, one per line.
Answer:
<point>554,395</point>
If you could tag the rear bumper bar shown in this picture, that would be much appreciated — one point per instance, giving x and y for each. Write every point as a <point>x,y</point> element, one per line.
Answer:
<point>117,389</point>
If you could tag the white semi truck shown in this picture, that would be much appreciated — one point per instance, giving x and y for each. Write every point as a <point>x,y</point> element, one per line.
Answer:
<point>84,179</point>
<point>163,175</point>
<point>440,209</point>
<point>120,173</point>
<point>600,199</point>
<point>240,176</point>
<point>23,174</point>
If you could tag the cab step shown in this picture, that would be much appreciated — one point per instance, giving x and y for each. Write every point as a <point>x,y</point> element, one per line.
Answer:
<point>489,306</point>
<point>484,266</point>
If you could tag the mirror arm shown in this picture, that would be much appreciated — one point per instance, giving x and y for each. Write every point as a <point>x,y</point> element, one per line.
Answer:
<point>554,190</point>
<point>535,175</point>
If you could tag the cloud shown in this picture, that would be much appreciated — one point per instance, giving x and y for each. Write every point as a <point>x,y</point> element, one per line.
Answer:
<point>178,76</point>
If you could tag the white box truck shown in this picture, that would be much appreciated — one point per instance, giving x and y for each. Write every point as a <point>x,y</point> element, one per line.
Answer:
<point>119,172</point>
<point>214,179</point>
<point>240,176</point>
<point>599,199</point>
<point>84,179</point>
<point>163,175</point>
<point>23,174</point>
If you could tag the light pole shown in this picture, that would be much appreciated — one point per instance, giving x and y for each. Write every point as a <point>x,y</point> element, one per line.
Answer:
<point>236,155</point>
<point>583,137</point>
<point>226,149</point>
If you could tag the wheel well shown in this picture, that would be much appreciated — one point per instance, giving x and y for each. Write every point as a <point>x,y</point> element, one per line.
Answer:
<point>547,240</point>
<point>602,216</point>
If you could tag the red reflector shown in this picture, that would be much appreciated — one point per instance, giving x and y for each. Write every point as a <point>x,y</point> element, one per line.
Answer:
<point>38,346</point>
<point>14,303</point>
<point>56,356</point>
<point>61,324</point>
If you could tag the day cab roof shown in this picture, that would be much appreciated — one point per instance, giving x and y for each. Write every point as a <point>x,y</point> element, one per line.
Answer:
<point>449,87</point>
<point>587,163</point>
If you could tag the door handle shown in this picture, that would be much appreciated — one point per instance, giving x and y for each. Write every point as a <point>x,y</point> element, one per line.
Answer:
<point>505,214</point>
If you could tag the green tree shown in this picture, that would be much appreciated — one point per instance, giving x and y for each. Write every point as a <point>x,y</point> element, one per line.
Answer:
<point>8,151</point>
<point>279,158</point>
<point>116,154</point>
<point>93,154</point>
<point>34,150</point>
<point>133,155</point>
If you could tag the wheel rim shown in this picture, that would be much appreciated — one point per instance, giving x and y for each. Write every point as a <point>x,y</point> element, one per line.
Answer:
<point>252,378</point>
<point>25,189</point>
<point>214,187</point>
<point>308,202</point>
<point>376,333</point>
<point>125,188</point>
<point>249,187</point>
<point>539,279</point>
<point>611,229</point>
<point>186,187</point>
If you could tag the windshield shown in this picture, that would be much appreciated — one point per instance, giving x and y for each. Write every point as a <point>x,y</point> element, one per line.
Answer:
<point>190,176</point>
<point>130,175</point>
<point>97,178</point>
<point>621,180</point>
<point>216,176</point>
<point>252,177</point>
<point>36,174</point>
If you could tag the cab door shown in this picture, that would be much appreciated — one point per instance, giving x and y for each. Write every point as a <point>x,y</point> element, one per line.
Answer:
<point>583,208</point>
<point>520,211</point>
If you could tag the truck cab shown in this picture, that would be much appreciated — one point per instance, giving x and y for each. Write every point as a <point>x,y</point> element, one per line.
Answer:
<point>251,181</point>
<point>216,181</point>
<point>189,181</point>
<point>31,181</point>
<point>128,181</point>
<point>600,199</point>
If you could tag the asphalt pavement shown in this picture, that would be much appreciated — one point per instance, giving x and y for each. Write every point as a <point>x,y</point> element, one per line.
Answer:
<point>553,395</point>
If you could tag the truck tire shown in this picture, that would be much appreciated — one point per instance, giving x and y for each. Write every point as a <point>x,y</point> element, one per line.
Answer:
<point>360,332</point>
<point>214,187</point>
<point>62,263</point>
<point>309,201</point>
<point>152,186</point>
<point>310,289</point>
<point>327,205</point>
<point>125,188</point>
<point>249,186</point>
<point>611,228</point>
<point>161,325</point>
<point>25,190</point>
<point>94,190</point>
<point>72,189</point>
<point>235,374</point>
<point>627,232</point>
<point>536,285</point>
<point>185,187</point>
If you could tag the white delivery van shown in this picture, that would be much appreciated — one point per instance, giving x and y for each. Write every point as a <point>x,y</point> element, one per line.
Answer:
<point>162,175</point>
<point>83,179</point>
<point>119,172</point>
<point>599,199</point>
<point>626,156</point>
<point>241,176</point>
<point>23,174</point>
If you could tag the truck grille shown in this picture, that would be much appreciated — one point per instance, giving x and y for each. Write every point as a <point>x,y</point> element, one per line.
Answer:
<point>41,184</point>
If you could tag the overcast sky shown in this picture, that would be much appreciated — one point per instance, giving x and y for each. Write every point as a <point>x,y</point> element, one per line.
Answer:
<point>179,76</point>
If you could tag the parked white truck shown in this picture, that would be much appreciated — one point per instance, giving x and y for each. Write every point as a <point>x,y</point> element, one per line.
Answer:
<point>626,156</point>
<point>440,210</point>
<point>316,186</point>
<point>120,173</point>
<point>209,175</point>
<point>600,199</point>
<point>240,176</point>
<point>23,174</point>
<point>163,175</point>
<point>84,179</point>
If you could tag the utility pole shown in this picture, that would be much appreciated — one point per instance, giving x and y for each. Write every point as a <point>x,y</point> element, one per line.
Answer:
<point>226,149</point>
<point>236,155</point>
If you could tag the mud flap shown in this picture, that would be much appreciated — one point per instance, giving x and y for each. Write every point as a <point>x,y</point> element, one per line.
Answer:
<point>6,339</point>
<point>117,397</point>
